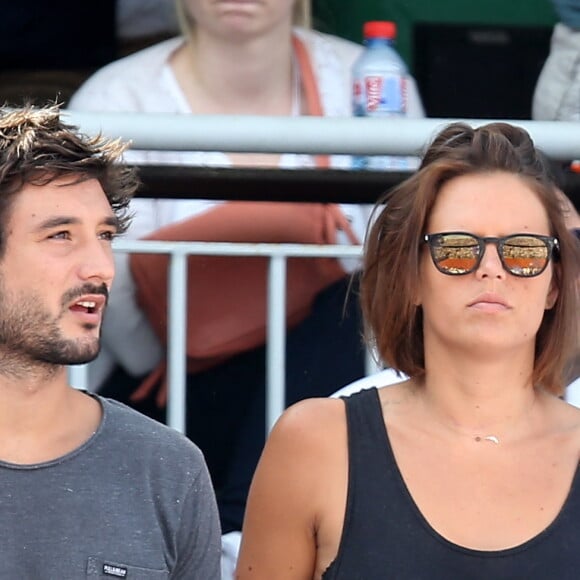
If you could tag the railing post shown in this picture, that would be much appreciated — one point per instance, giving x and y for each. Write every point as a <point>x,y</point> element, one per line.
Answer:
<point>176,340</point>
<point>276,343</point>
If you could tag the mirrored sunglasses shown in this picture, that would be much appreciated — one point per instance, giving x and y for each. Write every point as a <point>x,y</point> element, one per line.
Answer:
<point>459,253</point>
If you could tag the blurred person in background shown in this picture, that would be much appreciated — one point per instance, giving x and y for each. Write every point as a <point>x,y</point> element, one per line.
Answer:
<point>557,98</point>
<point>237,58</point>
<point>573,372</point>
<point>557,92</point>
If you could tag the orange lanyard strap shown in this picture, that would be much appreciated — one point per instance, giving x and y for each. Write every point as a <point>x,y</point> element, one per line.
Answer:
<point>309,88</point>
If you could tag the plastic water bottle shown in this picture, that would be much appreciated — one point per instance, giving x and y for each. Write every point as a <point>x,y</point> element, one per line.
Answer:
<point>379,87</point>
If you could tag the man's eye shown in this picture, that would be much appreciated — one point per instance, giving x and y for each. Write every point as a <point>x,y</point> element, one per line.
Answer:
<point>108,236</point>
<point>62,235</point>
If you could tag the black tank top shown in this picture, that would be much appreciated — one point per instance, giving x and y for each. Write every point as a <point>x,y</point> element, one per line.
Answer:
<point>385,536</point>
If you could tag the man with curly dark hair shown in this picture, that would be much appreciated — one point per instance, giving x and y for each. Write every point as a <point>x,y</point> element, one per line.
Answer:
<point>88,487</point>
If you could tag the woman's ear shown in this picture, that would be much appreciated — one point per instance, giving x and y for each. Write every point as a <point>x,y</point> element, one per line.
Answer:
<point>416,297</point>
<point>416,294</point>
<point>552,295</point>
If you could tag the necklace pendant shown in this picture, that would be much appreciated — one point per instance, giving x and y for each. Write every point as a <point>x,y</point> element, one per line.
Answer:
<point>491,438</point>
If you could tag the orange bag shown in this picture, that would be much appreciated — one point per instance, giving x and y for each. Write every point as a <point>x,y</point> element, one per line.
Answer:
<point>227,295</point>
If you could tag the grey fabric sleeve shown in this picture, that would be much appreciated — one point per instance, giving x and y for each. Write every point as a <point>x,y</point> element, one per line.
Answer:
<point>199,533</point>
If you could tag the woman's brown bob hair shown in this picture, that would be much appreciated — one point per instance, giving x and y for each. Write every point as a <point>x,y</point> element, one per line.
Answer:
<point>394,325</point>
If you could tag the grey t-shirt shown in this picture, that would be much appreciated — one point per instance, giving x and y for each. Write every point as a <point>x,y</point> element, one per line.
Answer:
<point>135,501</point>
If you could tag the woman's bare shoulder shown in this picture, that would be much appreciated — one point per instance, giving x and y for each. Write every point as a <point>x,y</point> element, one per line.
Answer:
<point>308,439</point>
<point>289,491</point>
<point>310,420</point>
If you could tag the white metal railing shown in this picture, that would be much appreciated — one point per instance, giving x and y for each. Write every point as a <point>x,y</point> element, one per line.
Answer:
<point>177,303</point>
<point>340,135</point>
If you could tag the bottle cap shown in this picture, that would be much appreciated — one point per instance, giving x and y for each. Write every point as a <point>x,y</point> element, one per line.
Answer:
<point>380,29</point>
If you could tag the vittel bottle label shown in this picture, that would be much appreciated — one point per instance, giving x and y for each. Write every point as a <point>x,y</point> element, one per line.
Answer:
<point>385,95</point>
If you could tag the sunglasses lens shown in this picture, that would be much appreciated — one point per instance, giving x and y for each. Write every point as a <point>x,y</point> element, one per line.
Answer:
<point>455,254</point>
<point>525,255</point>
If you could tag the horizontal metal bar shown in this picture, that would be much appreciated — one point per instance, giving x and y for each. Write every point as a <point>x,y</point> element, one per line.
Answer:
<point>266,184</point>
<point>340,135</point>
<point>238,249</point>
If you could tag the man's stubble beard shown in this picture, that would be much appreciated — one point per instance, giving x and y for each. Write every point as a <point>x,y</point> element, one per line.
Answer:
<point>29,332</point>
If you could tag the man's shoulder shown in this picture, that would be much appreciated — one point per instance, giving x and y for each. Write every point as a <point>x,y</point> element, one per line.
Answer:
<point>144,436</point>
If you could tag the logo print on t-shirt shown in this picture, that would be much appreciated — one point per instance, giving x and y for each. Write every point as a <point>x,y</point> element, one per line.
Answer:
<point>112,570</point>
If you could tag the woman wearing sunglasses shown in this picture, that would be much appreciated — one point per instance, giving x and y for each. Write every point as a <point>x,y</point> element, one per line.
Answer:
<point>469,469</point>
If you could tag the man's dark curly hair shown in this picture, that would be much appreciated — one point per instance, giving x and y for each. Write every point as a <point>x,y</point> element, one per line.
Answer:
<point>37,147</point>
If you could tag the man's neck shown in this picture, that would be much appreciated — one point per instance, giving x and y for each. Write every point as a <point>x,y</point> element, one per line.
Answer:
<point>41,422</point>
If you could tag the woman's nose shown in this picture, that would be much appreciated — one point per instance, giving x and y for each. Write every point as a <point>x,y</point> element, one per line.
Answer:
<point>491,264</point>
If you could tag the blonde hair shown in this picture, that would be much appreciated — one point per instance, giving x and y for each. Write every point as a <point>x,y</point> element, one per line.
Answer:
<point>301,16</point>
